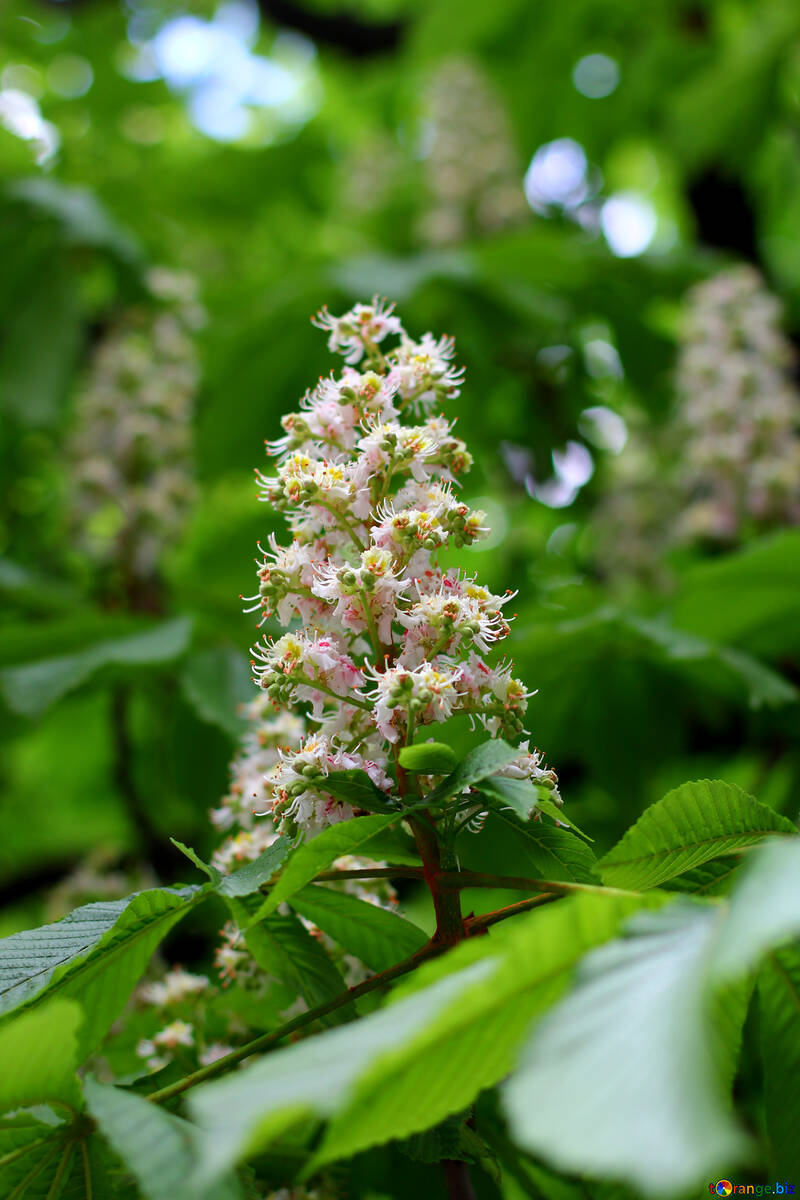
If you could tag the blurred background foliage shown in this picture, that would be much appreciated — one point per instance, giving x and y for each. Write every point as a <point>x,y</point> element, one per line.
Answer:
<point>545,182</point>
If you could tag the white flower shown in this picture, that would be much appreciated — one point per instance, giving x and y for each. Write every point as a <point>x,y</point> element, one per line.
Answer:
<point>423,372</point>
<point>422,694</point>
<point>176,986</point>
<point>360,330</point>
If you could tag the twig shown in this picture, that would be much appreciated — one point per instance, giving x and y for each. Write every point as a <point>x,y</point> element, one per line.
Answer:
<point>307,1018</point>
<point>479,924</point>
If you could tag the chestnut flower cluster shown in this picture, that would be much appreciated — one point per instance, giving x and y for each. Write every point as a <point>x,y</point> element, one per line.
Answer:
<point>247,838</point>
<point>382,640</point>
<point>131,446</point>
<point>739,412</point>
<point>473,173</point>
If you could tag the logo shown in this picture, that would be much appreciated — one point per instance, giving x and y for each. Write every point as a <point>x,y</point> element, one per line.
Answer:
<point>724,1187</point>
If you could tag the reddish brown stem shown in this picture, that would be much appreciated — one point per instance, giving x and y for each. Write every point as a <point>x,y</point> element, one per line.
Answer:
<point>479,924</point>
<point>459,1184</point>
<point>446,901</point>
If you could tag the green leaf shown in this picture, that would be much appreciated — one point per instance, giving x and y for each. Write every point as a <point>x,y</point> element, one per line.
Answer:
<point>357,789</point>
<point>552,852</point>
<point>82,217</point>
<point>378,937</point>
<point>39,1053</point>
<point>31,688</point>
<point>765,687</point>
<point>519,795</point>
<point>95,956</point>
<point>779,1011</point>
<point>253,875</point>
<point>693,824</point>
<point>484,760</point>
<point>286,950</point>
<point>406,1067</point>
<point>159,1149</point>
<point>312,857</point>
<point>247,879</point>
<point>217,682</point>
<point>764,908</point>
<point>626,1064</point>
<point>35,370</point>
<point>555,813</point>
<point>428,758</point>
<point>42,1158</point>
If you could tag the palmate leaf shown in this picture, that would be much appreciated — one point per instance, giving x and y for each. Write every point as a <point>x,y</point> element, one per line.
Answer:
<point>158,1148</point>
<point>378,937</point>
<point>312,857</point>
<point>43,1158</point>
<point>94,956</point>
<point>626,1065</point>
<point>779,1011</point>
<point>693,824</point>
<point>410,1065</point>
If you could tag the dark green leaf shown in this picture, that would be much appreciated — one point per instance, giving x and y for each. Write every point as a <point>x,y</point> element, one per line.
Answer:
<point>356,789</point>
<point>378,937</point>
<point>779,1011</point>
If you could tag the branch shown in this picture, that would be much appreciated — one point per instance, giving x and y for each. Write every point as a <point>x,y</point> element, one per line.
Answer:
<point>431,950</point>
<point>371,873</point>
<point>480,924</point>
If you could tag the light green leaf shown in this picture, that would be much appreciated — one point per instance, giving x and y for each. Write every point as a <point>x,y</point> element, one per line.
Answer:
<point>31,688</point>
<point>94,956</point>
<point>428,758</point>
<point>693,824</point>
<point>410,1065</point>
<point>626,1064</point>
<point>764,908</point>
<point>481,762</point>
<point>378,937</point>
<point>159,1149</point>
<point>312,857</point>
<point>39,1056</point>
<point>779,1012</point>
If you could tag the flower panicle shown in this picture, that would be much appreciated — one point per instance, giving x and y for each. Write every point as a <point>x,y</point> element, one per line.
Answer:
<point>380,638</point>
